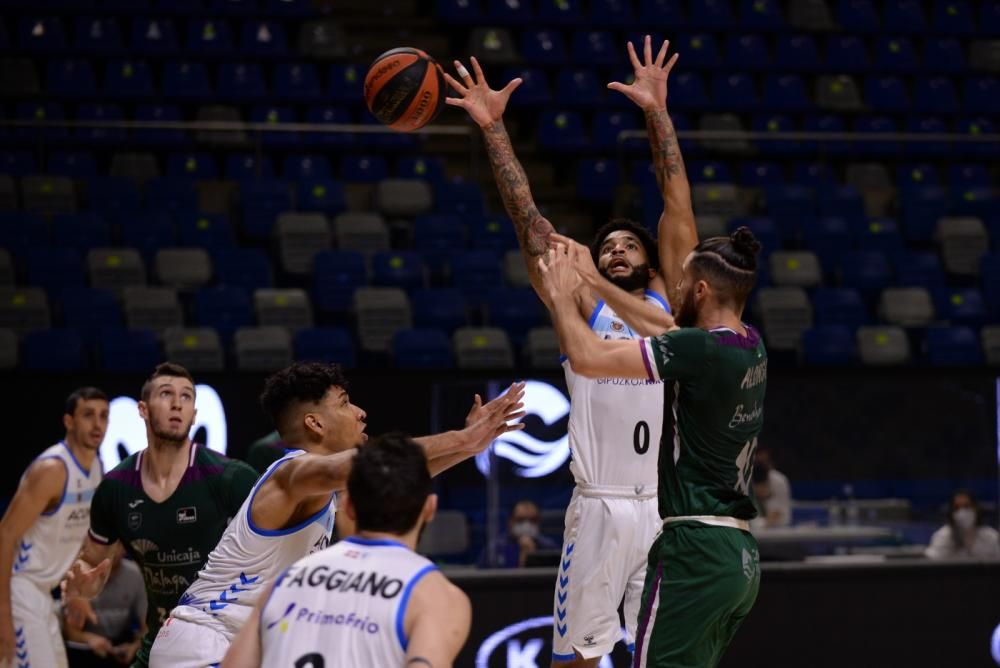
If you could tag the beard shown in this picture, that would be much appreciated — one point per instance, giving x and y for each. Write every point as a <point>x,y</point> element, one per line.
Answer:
<point>687,314</point>
<point>637,280</point>
<point>167,434</point>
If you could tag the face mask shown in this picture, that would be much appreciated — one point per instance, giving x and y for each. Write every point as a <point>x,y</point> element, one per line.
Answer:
<point>524,528</point>
<point>965,518</point>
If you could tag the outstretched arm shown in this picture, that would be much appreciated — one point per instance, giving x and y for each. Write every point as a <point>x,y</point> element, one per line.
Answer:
<point>486,107</point>
<point>677,232</point>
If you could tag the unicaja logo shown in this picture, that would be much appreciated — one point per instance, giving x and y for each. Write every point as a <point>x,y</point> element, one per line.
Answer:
<point>532,456</point>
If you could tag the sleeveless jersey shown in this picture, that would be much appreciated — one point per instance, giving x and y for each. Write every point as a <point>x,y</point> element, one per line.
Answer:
<point>51,545</point>
<point>170,540</point>
<point>614,423</point>
<point>714,409</point>
<point>343,606</point>
<point>246,561</point>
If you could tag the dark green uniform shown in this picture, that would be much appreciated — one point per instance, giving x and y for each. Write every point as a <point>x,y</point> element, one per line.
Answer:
<point>265,451</point>
<point>169,541</point>
<point>703,572</point>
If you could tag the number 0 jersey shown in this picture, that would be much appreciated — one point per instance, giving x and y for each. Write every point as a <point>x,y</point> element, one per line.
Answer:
<point>615,423</point>
<point>714,384</point>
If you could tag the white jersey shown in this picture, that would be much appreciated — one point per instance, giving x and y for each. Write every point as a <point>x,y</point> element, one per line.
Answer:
<point>344,606</point>
<point>246,561</point>
<point>615,423</point>
<point>51,545</point>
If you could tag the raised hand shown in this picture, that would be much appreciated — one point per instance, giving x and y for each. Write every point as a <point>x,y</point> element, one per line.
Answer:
<point>485,105</point>
<point>649,90</point>
<point>560,279</point>
<point>83,583</point>
<point>486,422</point>
<point>580,257</point>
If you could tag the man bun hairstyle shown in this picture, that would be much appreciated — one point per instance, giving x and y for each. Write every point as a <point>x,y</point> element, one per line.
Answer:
<point>389,483</point>
<point>299,383</point>
<point>616,224</point>
<point>729,264</point>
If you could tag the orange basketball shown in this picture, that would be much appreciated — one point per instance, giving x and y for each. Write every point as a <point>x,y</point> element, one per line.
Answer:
<point>405,89</point>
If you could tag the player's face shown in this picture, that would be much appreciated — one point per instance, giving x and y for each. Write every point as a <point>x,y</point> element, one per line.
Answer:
<point>344,423</point>
<point>170,411</point>
<point>622,260</point>
<point>89,422</point>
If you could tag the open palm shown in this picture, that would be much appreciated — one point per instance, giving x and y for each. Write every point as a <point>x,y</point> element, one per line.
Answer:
<point>649,90</point>
<point>485,105</point>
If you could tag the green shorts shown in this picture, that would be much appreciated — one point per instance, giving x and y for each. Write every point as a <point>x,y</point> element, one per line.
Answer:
<point>701,582</point>
<point>142,656</point>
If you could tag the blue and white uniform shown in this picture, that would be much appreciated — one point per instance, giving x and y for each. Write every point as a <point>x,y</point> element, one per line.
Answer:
<point>344,606</point>
<point>243,564</point>
<point>44,554</point>
<point>614,437</point>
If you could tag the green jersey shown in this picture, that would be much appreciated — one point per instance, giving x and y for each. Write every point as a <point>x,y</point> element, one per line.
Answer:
<point>169,541</point>
<point>713,411</point>
<point>265,451</point>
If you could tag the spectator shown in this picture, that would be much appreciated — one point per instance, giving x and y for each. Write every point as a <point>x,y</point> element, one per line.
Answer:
<point>963,537</point>
<point>772,491</point>
<point>523,537</point>
<point>121,612</point>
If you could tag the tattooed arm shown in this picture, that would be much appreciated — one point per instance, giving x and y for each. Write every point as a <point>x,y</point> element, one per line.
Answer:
<point>677,232</point>
<point>486,107</point>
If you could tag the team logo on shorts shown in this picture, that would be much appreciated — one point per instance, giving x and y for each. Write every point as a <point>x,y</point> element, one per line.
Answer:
<point>588,640</point>
<point>134,521</point>
<point>187,515</point>
<point>750,560</point>
<point>617,326</point>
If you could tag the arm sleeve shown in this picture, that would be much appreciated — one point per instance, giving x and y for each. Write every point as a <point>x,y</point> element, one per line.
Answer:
<point>238,480</point>
<point>102,515</point>
<point>681,354</point>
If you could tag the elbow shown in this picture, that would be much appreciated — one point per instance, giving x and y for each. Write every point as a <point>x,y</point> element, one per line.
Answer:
<point>584,365</point>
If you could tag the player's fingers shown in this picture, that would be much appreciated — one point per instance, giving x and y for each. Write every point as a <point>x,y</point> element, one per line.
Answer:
<point>512,86</point>
<point>647,50</point>
<point>618,86</point>
<point>671,62</point>
<point>480,77</point>
<point>454,83</point>
<point>464,74</point>
<point>634,59</point>
<point>663,53</point>
<point>477,401</point>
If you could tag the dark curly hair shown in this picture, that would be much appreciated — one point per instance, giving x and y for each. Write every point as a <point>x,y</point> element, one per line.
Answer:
<point>389,483</point>
<point>300,383</point>
<point>616,224</point>
<point>729,263</point>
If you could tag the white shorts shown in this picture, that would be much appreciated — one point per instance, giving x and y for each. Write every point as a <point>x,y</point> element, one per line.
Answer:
<point>605,548</point>
<point>38,640</point>
<point>182,644</point>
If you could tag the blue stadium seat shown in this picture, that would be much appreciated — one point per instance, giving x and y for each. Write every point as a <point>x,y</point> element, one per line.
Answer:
<point>953,346</point>
<point>74,164</point>
<point>561,131</point>
<point>225,308</point>
<point>330,115</point>
<point>296,82</point>
<point>463,198</point>
<point>579,88</point>
<point>905,16</point>
<point>241,82</point>
<point>346,83</point>
<point>398,269</point>
<point>18,163</point>
<point>153,37</point>
<point>761,15</point>
<point>147,232</point>
<point>171,137</point>
<point>337,275</point>
<point>563,13</point>
<point>886,94</point>
<point>90,311</point>
<point>309,166</point>
<point>325,195</point>
<point>209,37</point>
<point>534,90</point>
<point>597,180</point>
<point>262,38</point>
<point>661,13</point>
<point>778,124</point>
<point>989,17</point>
<point>444,308</point>
<point>747,52</point>
<point>205,230</point>
<point>187,80</point>
<point>476,272</point>
<point>55,268</point>
<point>877,125</point>
<point>325,344</point>
<point>436,237</point>
<point>842,202</point>
<point>759,174</point>
<point>429,168</point>
<point>895,54</point>
<point>181,7</point>
<point>944,55</point>
<point>927,125</point>
<point>711,15</point>
<point>97,36</point>
<point>595,47</point>
<point>129,350</point>
<point>847,54</point>
<point>829,238</point>
<point>867,272</point>
<point>70,78</point>
<point>857,16</point>
<point>22,230</point>
<point>290,8</point>
<point>363,168</point>
<point>979,125</point>
<point>515,310</point>
<point>839,307</point>
<point>982,95</point>
<point>734,92</point>
<point>616,13</point>
<point>41,111</point>
<point>935,95</point>
<point>789,206</point>
<point>504,13</point>
<point>246,268</point>
<point>961,306</point>
<point>128,78</point>
<point>968,175</point>
<point>825,123</point>
<point>81,231</point>
<point>977,202</point>
<point>829,346</point>
<point>952,17</point>
<point>882,234</point>
<point>916,174</point>
<point>798,53</point>
<point>41,34</point>
<point>425,348</point>
<point>700,52</point>
<point>172,195</point>
<point>920,208</point>
<point>494,233</point>
<point>262,200</point>
<point>708,171</point>
<point>107,194</point>
<point>198,165</point>
<point>53,350</point>
<point>100,113</point>
<point>785,92</point>
<point>242,166</point>
<point>543,47</point>
<point>234,7</point>
<point>271,115</point>
<point>688,91</point>
<point>919,269</point>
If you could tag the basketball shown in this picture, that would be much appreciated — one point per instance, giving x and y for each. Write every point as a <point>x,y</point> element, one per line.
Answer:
<point>405,89</point>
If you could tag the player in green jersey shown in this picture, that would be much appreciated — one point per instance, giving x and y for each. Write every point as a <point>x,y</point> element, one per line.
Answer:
<point>168,505</point>
<point>704,564</point>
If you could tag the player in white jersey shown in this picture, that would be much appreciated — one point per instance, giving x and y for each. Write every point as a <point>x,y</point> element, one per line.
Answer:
<point>614,424</point>
<point>42,531</point>
<point>290,511</point>
<point>369,600</point>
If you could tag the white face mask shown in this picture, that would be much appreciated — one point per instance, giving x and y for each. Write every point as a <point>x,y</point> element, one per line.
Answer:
<point>965,518</point>
<point>524,528</point>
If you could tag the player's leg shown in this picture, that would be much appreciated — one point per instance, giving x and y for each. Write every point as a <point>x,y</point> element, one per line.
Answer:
<point>183,644</point>
<point>589,585</point>
<point>647,526</point>
<point>37,637</point>
<point>751,565</point>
